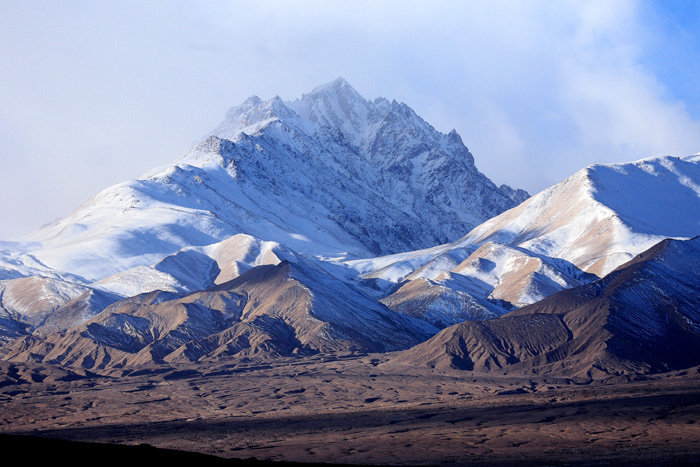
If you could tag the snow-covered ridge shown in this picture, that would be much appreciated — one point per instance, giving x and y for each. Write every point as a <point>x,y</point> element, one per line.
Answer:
<point>596,219</point>
<point>331,175</point>
<point>567,235</point>
<point>605,214</point>
<point>197,268</point>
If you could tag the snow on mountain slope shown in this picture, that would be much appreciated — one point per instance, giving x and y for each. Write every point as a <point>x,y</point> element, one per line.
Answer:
<point>227,260</point>
<point>516,277</point>
<point>139,280</point>
<point>492,280</point>
<point>593,221</point>
<point>443,303</point>
<point>16,263</point>
<point>411,157</point>
<point>31,299</point>
<point>75,312</point>
<point>41,304</point>
<point>604,215</point>
<point>331,175</point>
<point>388,270</point>
<point>197,268</point>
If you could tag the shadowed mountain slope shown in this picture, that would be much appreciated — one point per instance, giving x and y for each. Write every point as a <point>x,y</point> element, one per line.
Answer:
<point>268,311</point>
<point>644,317</point>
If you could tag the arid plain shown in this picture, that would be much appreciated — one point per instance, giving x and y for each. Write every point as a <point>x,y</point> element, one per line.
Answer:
<point>361,409</point>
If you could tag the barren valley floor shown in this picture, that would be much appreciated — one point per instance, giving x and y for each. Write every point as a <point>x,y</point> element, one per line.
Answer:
<point>361,409</point>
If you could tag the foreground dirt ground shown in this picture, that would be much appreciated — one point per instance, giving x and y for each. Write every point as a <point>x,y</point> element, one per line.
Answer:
<point>361,410</point>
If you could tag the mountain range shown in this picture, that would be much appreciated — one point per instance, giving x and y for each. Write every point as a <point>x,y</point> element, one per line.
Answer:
<point>569,234</point>
<point>337,224</point>
<point>330,175</point>
<point>643,317</point>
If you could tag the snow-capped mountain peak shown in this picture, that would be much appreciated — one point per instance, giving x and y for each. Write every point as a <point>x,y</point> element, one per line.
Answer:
<point>251,116</point>
<point>331,174</point>
<point>336,105</point>
<point>605,214</point>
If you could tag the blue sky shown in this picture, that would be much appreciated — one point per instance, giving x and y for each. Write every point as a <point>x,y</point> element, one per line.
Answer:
<point>676,58</point>
<point>94,93</point>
